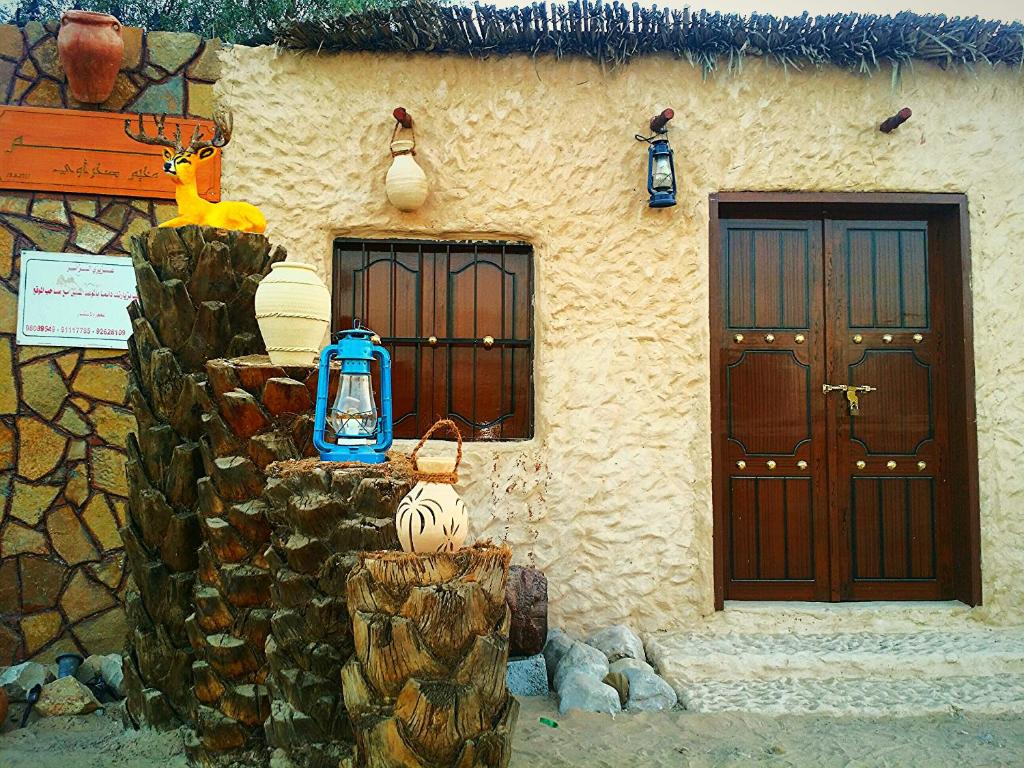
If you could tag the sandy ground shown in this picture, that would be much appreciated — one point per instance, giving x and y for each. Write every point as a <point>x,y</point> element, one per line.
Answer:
<point>677,739</point>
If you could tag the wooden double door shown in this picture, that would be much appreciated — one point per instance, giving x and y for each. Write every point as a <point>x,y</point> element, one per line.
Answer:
<point>831,439</point>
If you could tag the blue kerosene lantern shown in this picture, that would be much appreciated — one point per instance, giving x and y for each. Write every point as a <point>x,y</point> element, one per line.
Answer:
<point>359,434</point>
<point>661,169</point>
<point>661,174</point>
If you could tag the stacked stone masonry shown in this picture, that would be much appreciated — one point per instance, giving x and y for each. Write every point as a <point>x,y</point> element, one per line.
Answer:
<point>64,420</point>
<point>170,72</point>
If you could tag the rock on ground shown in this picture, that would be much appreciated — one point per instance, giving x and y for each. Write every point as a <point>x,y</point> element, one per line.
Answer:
<point>89,669</point>
<point>111,669</point>
<point>527,598</point>
<point>21,678</point>
<point>618,642</point>
<point>66,696</point>
<point>620,683</point>
<point>105,667</point>
<point>557,646</point>
<point>581,658</point>
<point>582,691</point>
<point>623,664</point>
<point>528,677</point>
<point>648,692</point>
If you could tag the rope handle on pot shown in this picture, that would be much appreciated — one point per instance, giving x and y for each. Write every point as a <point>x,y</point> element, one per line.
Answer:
<point>449,478</point>
<point>394,133</point>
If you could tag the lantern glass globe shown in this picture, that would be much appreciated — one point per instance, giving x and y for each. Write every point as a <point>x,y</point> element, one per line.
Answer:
<point>661,175</point>
<point>354,413</point>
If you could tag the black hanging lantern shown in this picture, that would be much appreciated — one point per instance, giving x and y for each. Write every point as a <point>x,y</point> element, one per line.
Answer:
<point>661,169</point>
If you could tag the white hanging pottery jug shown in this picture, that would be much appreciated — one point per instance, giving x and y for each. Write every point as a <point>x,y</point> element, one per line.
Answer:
<point>293,309</point>
<point>432,517</point>
<point>406,183</point>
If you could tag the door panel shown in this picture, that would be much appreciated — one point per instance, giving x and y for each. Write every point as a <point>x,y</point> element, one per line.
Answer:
<point>821,503</point>
<point>888,493</point>
<point>771,441</point>
<point>899,419</point>
<point>893,528</point>
<point>773,529</point>
<point>887,281</point>
<point>768,275</point>
<point>780,378</point>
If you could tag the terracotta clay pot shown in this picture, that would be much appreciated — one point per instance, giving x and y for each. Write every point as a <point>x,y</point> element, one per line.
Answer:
<point>90,47</point>
<point>406,183</point>
<point>293,309</point>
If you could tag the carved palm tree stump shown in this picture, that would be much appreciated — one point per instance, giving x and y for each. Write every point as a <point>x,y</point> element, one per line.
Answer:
<point>261,413</point>
<point>196,287</point>
<point>426,687</point>
<point>322,515</point>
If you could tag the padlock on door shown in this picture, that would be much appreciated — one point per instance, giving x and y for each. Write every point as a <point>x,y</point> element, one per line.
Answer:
<point>852,393</point>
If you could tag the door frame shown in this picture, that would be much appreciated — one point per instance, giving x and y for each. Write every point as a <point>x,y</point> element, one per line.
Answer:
<point>948,218</point>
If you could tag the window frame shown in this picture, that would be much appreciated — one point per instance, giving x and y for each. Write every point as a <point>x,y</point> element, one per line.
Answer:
<point>517,333</point>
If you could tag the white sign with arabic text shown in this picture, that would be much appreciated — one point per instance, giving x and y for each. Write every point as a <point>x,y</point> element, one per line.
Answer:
<point>75,300</point>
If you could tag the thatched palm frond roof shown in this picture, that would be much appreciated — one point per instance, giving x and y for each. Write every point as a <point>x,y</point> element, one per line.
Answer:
<point>615,33</point>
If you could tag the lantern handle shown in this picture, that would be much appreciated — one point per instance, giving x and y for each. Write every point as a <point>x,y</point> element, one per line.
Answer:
<point>444,477</point>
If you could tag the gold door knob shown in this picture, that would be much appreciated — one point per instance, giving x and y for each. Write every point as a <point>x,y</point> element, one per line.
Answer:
<point>769,337</point>
<point>488,342</point>
<point>861,464</point>
<point>918,338</point>
<point>741,464</point>
<point>375,339</point>
<point>799,338</point>
<point>922,464</point>
<point>887,338</point>
<point>857,338</point>
<point>770,464</point>
<point>432,341</point>
<point>738,338</point>
<point>890,464</point>
<point>801,464</point>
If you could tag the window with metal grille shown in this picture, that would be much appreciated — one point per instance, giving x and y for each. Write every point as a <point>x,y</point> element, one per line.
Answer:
<point>457,318</point>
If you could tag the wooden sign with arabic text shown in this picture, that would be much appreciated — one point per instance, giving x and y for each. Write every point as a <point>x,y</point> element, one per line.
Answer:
<point>63,150</point>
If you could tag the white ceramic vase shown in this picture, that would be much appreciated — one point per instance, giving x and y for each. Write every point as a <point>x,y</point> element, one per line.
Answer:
<point>432,517</point>
<point>406,183</point>
<point>293,308</point>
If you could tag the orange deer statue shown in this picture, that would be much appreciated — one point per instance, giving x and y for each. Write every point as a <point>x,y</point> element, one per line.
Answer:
<point>181,163</point>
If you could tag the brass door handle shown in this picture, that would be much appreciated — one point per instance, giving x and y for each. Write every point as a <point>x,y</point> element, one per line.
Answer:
<point>851,391</point>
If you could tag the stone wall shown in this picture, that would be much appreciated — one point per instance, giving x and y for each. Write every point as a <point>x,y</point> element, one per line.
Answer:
<point>612,498</point>
<point>168,72</point>
<point>63,420</point>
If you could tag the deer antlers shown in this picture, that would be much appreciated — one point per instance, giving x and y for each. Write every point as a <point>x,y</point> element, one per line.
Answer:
<point>222,125</point>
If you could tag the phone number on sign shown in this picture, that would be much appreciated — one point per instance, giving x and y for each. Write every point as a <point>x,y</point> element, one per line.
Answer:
<point>70,330</point>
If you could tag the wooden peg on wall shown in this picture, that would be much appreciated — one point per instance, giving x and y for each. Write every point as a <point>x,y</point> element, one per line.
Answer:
<point>403,117</point>
<point>658,122</point>
<point>890,124</point>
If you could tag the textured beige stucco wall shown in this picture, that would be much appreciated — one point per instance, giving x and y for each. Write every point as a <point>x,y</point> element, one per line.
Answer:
<point>613,497</point>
